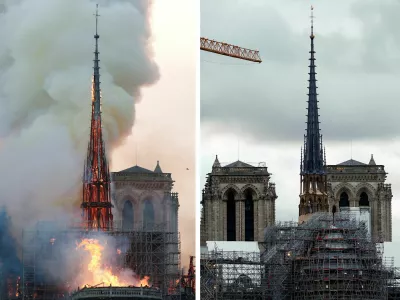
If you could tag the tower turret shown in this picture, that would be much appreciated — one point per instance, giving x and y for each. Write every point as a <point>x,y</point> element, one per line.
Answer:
<point>96,203</point>
<point>313,190</point>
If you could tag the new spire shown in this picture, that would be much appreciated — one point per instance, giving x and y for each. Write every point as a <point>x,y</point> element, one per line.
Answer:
<point>313,160</point>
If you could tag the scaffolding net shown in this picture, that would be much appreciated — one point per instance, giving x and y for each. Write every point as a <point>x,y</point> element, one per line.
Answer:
<point>327,257</point>
<point>48,272</point>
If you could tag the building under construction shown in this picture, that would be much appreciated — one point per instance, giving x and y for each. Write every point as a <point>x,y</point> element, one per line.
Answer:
<point>46,274</point>
<point>320,259</point>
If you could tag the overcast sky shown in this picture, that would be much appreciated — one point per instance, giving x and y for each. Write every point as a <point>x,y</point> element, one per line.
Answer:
<point>262,107</point>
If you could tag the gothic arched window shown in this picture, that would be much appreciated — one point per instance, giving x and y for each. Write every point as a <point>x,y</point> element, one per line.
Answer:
<point>231,216</point>
<point>344,200</point>
<point>363,199</point>
<point>127,216</point>
<point>148,215</point>
<point>248,216</point>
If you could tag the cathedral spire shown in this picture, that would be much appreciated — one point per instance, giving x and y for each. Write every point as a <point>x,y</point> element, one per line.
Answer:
<point>96,202</point>
<point>96,72</point>
<point>313,160</point>
<point>313,188</point>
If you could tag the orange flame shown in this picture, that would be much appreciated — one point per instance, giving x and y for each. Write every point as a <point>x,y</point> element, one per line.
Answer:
<point>97,273</point>
<point>145,281</point>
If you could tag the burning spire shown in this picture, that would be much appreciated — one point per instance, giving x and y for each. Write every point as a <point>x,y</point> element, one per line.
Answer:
<point>96,203</point>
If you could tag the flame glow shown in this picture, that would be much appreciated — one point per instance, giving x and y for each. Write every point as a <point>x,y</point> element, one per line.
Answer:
<point>96,272</point>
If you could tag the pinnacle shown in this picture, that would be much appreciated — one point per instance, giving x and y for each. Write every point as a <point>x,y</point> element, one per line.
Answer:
<point>158,168</point>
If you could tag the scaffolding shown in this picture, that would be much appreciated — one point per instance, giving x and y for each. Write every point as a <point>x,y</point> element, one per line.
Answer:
<point>231,275</point>
<point>323,258</point>
<point>47,274</point>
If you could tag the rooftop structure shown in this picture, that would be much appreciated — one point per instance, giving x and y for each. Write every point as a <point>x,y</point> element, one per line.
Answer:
<point>114,293</point>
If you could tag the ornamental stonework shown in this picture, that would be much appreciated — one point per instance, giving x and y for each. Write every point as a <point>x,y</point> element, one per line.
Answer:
<point>356,184</point>
<point>238,202</point>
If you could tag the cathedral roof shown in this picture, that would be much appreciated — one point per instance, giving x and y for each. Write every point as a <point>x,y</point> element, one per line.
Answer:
<point>351,162</point>
<point>239,164</point>
<point>137,169</point>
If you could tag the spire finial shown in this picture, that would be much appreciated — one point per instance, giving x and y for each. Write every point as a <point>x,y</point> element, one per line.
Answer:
<point>97,17</point>
<point>158,168</point>
<point>372,160</point>
<point>96,71</point>
<point>216,163</point>
<point>312,22</point>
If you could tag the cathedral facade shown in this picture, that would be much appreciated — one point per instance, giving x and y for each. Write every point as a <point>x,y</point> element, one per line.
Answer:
<point>353,184</point>
<point>144,201</point>
<point>238,202</point>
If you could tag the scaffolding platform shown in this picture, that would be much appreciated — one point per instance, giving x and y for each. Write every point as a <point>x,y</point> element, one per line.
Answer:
<point>323,258</point>
<point>47,273</point>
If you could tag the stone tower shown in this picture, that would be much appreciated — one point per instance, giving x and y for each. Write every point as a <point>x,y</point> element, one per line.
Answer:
<point>144,200</point>
<point>238,202</point>
<point>361,188</point>
<point>313,182</point>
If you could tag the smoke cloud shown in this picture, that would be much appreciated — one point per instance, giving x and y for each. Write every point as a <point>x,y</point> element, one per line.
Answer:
<point>46,60</point>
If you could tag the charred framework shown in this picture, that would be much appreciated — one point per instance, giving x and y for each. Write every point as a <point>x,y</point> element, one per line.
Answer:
<point>96,203</point>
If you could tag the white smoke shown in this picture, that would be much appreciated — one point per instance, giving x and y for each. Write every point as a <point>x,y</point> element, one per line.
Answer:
<point>46,61</point>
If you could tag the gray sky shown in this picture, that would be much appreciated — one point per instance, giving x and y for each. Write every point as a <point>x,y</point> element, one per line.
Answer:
<point>264,105</point>
<point>358,58</point>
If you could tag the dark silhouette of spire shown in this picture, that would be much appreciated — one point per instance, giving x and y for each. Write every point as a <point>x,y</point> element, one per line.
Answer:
<point>313,159</point>
<point>158,168</point>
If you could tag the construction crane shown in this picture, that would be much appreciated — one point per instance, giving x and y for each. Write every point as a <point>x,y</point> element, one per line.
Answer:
<point>229,50</point>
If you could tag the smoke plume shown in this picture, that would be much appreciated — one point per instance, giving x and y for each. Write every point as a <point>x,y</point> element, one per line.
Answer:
<point>46,60</point>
